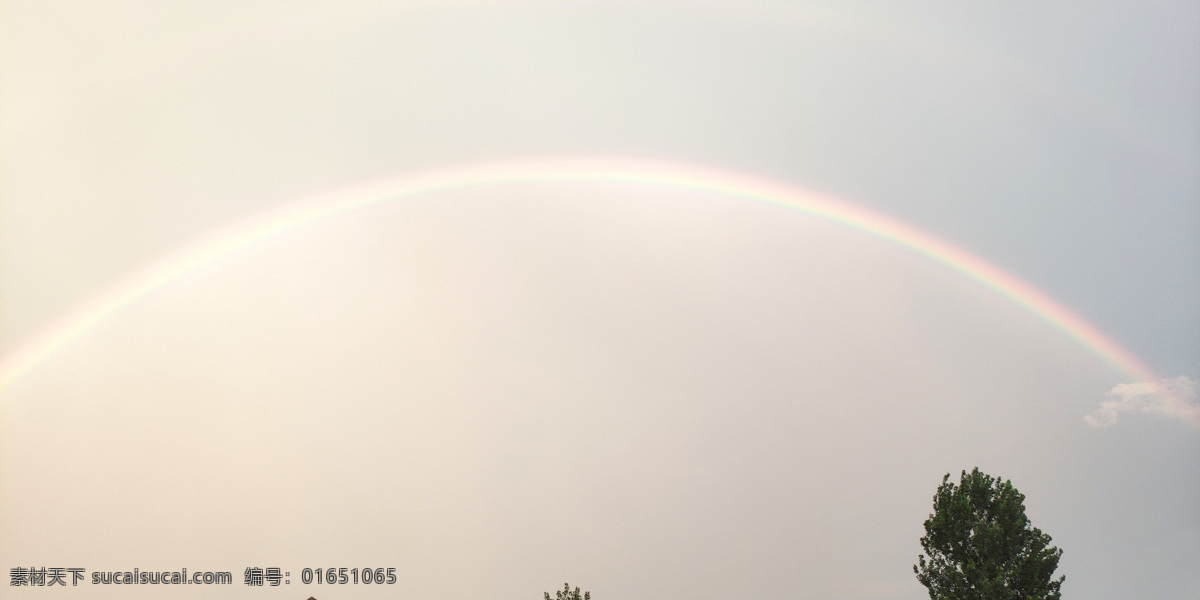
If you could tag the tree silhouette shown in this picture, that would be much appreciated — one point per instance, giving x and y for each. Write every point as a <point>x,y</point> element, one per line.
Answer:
<point>567,594</point>
<point>981,546</point>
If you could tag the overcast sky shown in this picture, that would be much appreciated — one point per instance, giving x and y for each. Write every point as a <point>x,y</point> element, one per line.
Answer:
<point>652,393</point>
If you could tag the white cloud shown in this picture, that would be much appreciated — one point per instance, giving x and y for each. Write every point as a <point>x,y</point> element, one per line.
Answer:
<point>1174,398</point>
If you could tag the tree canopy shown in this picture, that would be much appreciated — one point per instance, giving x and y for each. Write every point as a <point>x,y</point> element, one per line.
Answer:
<point>981,546</point>
<point>568,594</point>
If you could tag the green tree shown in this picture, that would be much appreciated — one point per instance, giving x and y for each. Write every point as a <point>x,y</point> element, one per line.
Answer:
<point>567,594</point>
<point>981,546</point>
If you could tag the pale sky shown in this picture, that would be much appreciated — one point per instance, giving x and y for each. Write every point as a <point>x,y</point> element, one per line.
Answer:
<point>644,391</point>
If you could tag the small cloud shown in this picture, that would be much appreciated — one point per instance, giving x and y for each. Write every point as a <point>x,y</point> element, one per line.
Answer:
<point>1175,398</point>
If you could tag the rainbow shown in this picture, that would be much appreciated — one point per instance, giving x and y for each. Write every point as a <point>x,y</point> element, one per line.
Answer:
<point>226,242</point>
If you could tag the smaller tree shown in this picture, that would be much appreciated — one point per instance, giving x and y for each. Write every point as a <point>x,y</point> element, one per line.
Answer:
<point>981,545</point>
<point>567,594</point>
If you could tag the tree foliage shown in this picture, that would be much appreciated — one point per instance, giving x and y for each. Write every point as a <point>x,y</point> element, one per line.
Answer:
<point>568,594</point>
<point>981,546</point>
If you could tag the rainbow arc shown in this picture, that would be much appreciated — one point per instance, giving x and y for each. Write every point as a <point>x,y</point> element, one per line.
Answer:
<point>278,222</point>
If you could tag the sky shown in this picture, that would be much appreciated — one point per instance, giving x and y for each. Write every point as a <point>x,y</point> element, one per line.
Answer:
<point>650,391</point>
